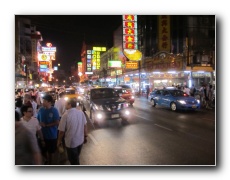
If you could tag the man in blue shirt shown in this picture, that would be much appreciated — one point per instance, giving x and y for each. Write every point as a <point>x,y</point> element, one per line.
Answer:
<point>49,119</point>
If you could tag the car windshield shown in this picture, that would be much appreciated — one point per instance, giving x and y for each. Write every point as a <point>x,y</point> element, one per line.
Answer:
<point>103,93</point>
<point>178,93</point>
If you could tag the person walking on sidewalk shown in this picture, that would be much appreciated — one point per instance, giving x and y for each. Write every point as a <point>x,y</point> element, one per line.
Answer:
<point>210,97</point>
<point>147,91</point>
<point>73,125</point>
<point>49,119</point>
<point>27,151</point>
<point>60,104</point>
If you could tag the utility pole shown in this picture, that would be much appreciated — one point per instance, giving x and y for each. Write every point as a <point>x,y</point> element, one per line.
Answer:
<point>139,70</point>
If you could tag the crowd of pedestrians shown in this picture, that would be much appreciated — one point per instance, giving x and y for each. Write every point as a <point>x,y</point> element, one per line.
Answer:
<point>40,129</point>
<point>206,94</point>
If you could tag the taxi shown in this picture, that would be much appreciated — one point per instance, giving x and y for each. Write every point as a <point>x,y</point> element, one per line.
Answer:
<point>70,93</point>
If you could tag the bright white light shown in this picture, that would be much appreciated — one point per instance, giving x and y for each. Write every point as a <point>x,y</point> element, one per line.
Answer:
<point>182,101</point>
<point>157,81</point>
<point>172,72</point>
<point>66,98</point>
<point>189,83</point>
<point>127,112</point>
<point>99,116</point>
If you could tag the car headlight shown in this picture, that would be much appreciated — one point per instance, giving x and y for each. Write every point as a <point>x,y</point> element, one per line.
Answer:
<point>198,101</point>
<point>132,97</point>
<point>127,112</point>
<point>98,107</point>
<point>79,97</point>
<point>66,98</point>
<point>182,101</point>
<point>99,116</point>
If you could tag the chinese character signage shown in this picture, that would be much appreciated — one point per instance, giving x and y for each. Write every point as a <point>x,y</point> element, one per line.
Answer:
<point>164,33</point>
<point>131,65</point>
<point>130,38</point>
<point>129,32</point>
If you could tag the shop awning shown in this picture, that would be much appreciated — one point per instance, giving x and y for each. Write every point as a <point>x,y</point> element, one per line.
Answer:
<point>200,68</point>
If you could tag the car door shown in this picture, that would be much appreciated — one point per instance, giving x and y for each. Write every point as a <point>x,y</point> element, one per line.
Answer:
<point>165,100</point>
<point>157,97</point>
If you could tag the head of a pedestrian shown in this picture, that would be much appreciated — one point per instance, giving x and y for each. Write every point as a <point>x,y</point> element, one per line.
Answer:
<point>26,98</point>
<point>71,103</point>
<point>47,101</point>
<point>61,95</point>
<point>18,102</point>
<point>27,111</point>
<point>33,98</point>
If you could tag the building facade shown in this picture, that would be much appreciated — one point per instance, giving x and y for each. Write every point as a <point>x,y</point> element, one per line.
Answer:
<point>27,44</point>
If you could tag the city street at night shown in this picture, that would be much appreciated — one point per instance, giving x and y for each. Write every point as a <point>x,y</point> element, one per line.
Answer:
<point>132,94</point>
<point>153,136</point>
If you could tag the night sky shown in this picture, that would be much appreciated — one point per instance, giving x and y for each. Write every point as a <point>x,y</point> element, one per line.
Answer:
<point>67,32</point>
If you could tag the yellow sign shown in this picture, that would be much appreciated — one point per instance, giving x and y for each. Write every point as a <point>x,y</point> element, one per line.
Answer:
<point>131,65</point>
<point>99,48</point>
<point>133,55</point>
<point>164,33</point>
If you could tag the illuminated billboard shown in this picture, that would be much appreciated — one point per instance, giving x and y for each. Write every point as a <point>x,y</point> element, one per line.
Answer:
<point>99,49</point>
<point>43,57</point>
<point>49,49</point>
<point>79,66</point>
<point>114,64</point>
<point>130,32</point>
<point>130,38</point>
<point>131,65</point>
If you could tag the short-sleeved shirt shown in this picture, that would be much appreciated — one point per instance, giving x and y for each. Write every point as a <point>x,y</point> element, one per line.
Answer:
<point>72,123</point>
<point>25,145</point>
<point>32,125</point>
<point>48,116</point>
<point>60,105</point>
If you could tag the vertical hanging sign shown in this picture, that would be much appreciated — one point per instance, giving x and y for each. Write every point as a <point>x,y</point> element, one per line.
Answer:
<point>130,38</point>
<point>164,33</point>
<point>129,31</point>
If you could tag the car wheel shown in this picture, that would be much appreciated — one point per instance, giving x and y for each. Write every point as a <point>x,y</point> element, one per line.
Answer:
<point>173,106</point>
<point>153,102</point>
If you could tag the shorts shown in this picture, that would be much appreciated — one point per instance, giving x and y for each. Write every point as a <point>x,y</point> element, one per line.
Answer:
<point>51,145</point>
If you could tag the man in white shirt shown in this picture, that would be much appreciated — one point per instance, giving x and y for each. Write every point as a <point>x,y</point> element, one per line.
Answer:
<point>60,105</point>
<point>73,125</point>
<point>187,90</point>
